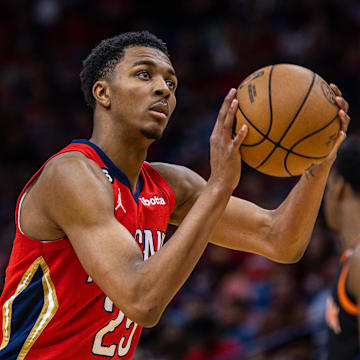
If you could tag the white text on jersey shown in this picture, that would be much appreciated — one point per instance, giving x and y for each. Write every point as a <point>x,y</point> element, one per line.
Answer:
<point>155,200</point>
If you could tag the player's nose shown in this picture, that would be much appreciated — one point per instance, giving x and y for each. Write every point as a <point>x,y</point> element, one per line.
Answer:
<point>161,88</point>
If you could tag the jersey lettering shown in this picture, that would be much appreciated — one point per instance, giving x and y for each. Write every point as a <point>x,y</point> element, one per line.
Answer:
<point>155,200</point>
<point>145,237</point>
<point>124,345</point>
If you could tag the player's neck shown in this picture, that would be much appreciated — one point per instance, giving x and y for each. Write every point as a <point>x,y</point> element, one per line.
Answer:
<point>125,152</point>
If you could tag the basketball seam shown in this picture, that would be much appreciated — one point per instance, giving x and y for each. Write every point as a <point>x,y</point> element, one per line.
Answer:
<point>302,139</point>
<point>300,108</point>
<point>265,136</point>
<point>277,144</point>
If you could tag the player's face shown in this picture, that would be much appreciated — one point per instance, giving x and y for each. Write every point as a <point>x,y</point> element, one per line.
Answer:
<point>142,91</point>
<point>331,202</point>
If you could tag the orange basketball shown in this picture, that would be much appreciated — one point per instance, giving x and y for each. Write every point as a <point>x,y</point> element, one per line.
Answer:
<point>292,119</point>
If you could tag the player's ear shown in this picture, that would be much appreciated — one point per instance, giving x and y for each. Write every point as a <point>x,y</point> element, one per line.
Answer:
<point>101,93</point>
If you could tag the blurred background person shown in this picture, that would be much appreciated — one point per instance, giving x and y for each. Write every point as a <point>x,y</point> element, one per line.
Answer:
<point>342,210</point>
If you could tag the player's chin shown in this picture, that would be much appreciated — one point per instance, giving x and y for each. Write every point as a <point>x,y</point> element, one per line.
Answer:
<point>152,133</point>
<point>154,127</point>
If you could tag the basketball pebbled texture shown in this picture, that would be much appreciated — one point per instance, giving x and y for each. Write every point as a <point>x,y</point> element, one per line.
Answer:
<point>292,118</point>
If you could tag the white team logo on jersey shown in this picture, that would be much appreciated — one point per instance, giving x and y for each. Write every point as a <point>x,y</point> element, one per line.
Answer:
<point>107,174</point>
<point>155,200</point>
<point>119,203</point>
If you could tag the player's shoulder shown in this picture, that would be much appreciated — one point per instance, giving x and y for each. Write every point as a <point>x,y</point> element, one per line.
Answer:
<point>72,164</point>
<point>72,172</point>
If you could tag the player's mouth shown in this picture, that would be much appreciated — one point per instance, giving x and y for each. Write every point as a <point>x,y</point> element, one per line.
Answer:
<point>160,109</point>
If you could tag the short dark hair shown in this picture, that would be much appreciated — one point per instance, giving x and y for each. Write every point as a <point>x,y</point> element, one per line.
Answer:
<point>108,53</point>
<point>347,162</point>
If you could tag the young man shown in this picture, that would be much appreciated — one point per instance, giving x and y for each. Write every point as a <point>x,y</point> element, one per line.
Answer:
<point>342,210</point>
<point>89,266</point>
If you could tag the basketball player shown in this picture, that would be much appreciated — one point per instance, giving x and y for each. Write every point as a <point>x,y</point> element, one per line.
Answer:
<point>342,210</point>
<point>89,267</point>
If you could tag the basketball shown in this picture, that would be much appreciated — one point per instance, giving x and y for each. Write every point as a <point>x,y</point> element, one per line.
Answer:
<point>292,119</point>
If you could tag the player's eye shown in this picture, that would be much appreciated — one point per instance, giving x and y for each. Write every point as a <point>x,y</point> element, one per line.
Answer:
<point>171,84</point>
<point>143,74</point>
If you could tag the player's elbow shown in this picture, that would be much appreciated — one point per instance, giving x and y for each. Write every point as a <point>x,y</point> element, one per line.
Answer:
<point>141,306</point>
<point>151,318</point>
<point>290,258</point>
<point>287,243</point>
<point>139,301</point>
<point>288,251</point>
<point>296,255</point>
<point>144,315</point>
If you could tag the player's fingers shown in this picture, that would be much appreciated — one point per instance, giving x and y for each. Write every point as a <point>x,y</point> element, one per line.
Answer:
<point>342,103</point>
<point>341,137</point>
<point>229,119</point>
<point>335,89</point>
<point>223,111</point>
<point>240,136</point>
<point>226,104</point>
<point>344,119</point>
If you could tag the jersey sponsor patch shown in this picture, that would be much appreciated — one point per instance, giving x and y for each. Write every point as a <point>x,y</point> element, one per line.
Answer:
<point>152,201</point>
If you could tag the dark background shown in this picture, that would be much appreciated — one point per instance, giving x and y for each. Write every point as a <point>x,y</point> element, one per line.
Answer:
<point>235,305</point>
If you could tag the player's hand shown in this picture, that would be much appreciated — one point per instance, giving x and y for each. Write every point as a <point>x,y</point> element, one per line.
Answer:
<point>225,157</point>
<point>344,122</point>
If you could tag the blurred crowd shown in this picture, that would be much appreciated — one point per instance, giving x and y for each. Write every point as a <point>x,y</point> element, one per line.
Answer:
<point>235,305</point>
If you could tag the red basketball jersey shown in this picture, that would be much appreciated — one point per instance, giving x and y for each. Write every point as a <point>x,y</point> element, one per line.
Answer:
<point>50,308</point>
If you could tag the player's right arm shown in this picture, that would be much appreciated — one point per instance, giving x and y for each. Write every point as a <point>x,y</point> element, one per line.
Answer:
<point>76,197</point>
<point>353,280</point>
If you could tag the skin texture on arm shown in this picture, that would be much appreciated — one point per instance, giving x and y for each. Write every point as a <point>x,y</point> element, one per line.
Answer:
<point>353,280</point>
<point>83,207</point>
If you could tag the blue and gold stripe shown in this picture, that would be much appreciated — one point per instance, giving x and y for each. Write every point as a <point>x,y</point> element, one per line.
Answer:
<point>28,311</point>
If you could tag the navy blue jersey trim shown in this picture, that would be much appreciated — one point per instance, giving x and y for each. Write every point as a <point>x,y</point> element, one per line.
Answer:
<point>114,170</point>
<point>26,310</point>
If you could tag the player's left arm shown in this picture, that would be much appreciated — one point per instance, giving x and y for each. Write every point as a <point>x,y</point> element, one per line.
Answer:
<point>353,280</point>
<point>281,234</point>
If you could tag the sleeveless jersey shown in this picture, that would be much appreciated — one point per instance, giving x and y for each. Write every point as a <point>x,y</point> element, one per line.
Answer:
<point>342,318</point>
<point>50,308</point>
